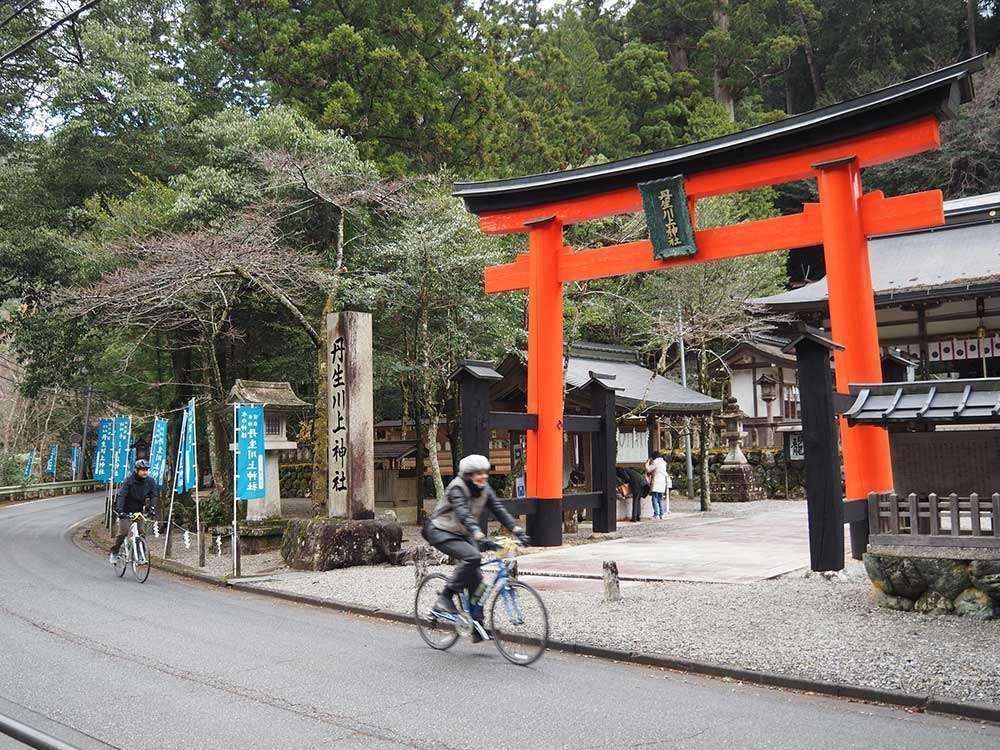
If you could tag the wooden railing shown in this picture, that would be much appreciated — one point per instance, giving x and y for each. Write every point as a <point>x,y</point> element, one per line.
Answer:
<point>934,521</point>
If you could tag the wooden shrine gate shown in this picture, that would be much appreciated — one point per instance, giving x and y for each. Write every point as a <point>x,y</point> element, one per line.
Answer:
<point>831,145</point>
<point>478,420</point>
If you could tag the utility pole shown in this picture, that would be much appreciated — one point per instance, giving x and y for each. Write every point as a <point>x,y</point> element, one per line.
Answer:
<point>687,425</point>
<point>88,390</point>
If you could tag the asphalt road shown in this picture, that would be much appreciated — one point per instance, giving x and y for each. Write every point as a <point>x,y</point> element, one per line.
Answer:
<point>173,664</point>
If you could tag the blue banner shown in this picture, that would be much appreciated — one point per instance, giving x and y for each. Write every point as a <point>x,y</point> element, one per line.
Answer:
<point>158,451</point>
<point>104,450</point>
<point>187,459</point>
<point>249,452</point>
<point>123,439</point>
<point>50,465</point>
<point>28,464</point>
<point>74,460</point>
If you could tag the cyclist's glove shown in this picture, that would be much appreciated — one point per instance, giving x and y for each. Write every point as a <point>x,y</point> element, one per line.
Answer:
<point>523,539</point>
<point>488,545</point>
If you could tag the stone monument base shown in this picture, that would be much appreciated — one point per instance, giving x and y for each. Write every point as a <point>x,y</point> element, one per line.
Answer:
<point>735,483</point>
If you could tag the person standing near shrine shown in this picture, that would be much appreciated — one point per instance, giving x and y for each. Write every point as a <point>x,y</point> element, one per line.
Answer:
<point>659,482</point>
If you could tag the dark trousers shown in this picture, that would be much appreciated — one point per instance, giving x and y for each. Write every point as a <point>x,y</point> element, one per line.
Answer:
<point>636,506</point>
<point>467,574</point>
<point>124,524</point>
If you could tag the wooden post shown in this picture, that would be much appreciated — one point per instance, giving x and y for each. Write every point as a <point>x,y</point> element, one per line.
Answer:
<point>201,546</point>
<point>474,379</point>
<point>604,454</point>
<point>819,437</point>
<point>419,565</point>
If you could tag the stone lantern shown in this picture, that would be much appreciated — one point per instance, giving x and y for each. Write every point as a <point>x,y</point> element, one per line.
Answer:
<point>735,483</point>
<point>279,403</point>
<point>768,393</point>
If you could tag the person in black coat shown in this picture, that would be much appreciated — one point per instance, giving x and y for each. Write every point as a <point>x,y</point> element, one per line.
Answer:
<point>136,491</point>
<point>631,482</point>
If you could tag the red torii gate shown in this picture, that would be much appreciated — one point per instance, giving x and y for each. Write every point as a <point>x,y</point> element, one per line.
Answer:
<point>831,145</point>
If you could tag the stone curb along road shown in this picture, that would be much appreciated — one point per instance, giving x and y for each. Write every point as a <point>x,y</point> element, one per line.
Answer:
<point>928,703</point>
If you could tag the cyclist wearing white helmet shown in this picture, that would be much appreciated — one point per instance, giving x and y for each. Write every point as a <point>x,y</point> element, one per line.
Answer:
<point>131,497</point>
<point>453,527</point>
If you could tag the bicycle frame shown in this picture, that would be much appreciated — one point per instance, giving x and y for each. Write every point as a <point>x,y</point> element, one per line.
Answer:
<point>500,584</point>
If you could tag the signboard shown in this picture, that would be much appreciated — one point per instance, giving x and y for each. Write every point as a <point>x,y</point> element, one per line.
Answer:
<point>74,460</point>
<point>795,447</point>
<point>187,459</point>
<point>158,451</point>
<point>29,463</point>
<point>103,451</point>
<point>50,464</point>
<point>122,440</point>
<point>667,218</point>
<point>250,452</point>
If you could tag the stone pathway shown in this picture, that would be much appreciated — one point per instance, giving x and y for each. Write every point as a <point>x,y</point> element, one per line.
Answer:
<point>690,546</point>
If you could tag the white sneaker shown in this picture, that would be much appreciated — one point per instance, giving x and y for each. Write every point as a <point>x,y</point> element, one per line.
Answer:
<point>113,558</point>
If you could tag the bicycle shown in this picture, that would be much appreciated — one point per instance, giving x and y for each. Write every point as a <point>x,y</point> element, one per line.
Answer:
<point>134,552</point>
<point>512,605</point>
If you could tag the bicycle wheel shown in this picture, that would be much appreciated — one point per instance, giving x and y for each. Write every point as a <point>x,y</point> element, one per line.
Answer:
<point>439,634</point>
<point>519,623</point>
<point>122,561</point>
<point>140,561</point>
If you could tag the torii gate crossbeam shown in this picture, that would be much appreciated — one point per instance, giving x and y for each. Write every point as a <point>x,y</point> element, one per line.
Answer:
<point>830,145</point>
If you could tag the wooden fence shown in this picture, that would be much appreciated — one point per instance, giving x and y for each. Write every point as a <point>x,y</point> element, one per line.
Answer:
<point>934,521</point>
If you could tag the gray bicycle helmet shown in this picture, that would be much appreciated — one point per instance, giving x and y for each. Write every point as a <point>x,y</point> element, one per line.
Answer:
<point>473,464</point>
<point>142,464</point>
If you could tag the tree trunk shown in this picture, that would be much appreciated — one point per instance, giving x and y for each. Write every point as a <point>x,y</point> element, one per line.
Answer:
<point>430,407</point>
<point>678,53</point>
<point>970,20</point>
<point>817,82</point>
<point>721,92</point>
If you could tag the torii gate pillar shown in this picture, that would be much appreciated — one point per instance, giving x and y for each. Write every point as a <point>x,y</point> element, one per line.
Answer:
<point>852,320</point>
<point>545,380</point>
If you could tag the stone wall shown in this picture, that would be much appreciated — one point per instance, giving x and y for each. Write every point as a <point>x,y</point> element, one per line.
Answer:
<point>296,480</point>
<point>922,581</point>
<point>769,470</point>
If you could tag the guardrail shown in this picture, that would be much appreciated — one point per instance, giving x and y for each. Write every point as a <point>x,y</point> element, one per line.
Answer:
<point>24,491</point>
<point>30,736</point>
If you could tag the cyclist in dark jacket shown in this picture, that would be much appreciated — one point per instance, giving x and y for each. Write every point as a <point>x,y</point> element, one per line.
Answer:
<point>453,527</point>
<point>132,497</point>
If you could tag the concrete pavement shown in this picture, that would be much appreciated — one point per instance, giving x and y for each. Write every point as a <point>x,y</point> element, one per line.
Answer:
<point>175,664</point>
<point>693,547</point>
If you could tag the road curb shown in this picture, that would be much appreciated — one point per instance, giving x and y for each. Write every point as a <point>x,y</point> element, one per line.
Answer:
<point>919,703</point>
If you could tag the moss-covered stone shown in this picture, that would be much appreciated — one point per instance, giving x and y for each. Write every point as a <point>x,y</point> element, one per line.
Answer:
<point>888,601</point>
<point>946,577</point>
<point>975,603</point>
<point>986,577</point>
<point>328,543</point>
<point>934,603</point>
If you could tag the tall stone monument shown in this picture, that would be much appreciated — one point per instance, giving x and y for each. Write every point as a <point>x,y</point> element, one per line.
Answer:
<point>350,420</point>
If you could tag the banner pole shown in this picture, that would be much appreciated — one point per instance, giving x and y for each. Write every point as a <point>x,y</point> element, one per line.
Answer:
<point>197,499</point>
<point>114,470</point>
<point>173,486</point>
<point>236,535</point>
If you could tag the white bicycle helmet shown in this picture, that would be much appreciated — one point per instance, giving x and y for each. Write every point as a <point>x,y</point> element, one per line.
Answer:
<point>473,464</point>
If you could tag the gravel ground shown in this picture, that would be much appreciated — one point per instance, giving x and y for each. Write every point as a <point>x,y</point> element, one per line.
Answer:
<point>797,625</point>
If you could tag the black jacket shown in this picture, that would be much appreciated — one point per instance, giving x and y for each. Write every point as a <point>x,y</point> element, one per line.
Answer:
<point>637,484</point>
<point>458,511</point>
<point>132,495</point>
